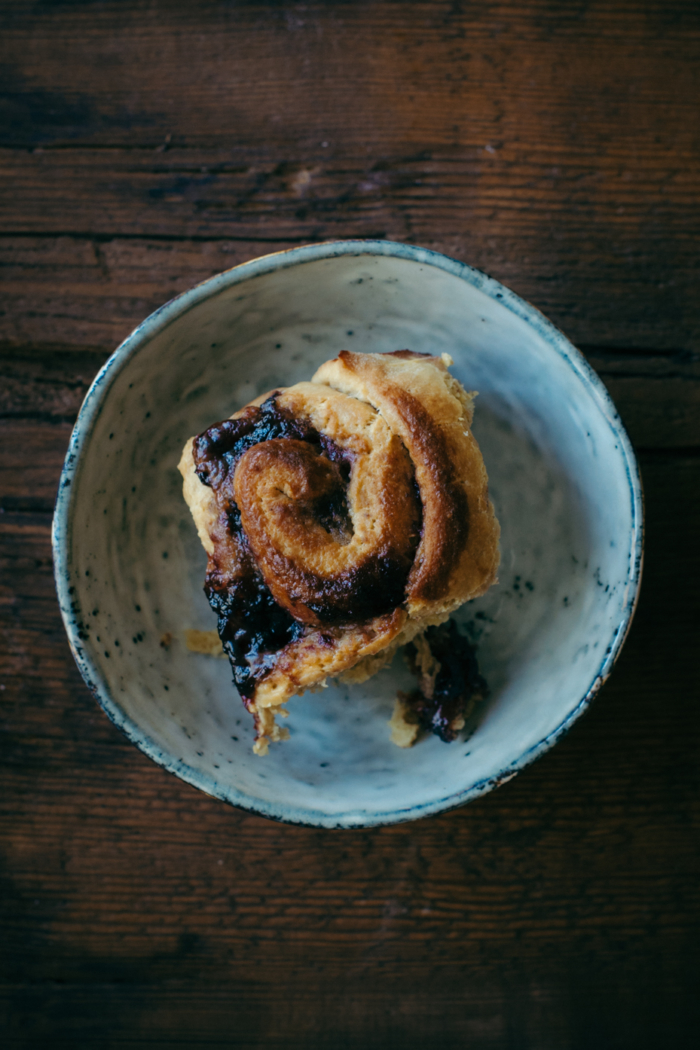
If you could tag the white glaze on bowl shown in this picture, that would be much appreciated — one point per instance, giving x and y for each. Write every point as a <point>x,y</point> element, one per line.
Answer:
<point>129,567</point>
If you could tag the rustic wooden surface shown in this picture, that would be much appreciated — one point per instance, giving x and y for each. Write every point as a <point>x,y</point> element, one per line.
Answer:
<point>145,146</point>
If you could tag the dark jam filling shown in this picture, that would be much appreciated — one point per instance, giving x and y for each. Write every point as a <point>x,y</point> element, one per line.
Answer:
<point>374,588</point>
<point>252,627</point>
<point>218,449</point>
<point>458,681</point>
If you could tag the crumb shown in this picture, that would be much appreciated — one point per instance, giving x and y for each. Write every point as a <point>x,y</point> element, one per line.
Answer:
<point>323,684</point>
<point>426,666</point>
<point>166,641</point>
<point>404,724</point>
<point>206,642</point>
<point>267,730</point>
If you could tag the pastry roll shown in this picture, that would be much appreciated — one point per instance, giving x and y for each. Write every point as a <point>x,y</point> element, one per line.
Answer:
<point>341,518</point>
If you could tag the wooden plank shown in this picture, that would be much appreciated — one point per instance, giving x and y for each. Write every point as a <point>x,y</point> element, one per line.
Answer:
<point>600,288</point>
<point>370,75</point>
<point>193,193</point>
<point>85,293</point>
<point>557,148</point>
<point>31,457</point>
<point>585,1010</point>
<point>606,272</point>
<point>657,395</point>
<point>45,384</point>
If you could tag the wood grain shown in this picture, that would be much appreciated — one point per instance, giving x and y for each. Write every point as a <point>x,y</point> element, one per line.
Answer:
<point>555,146</point>
<point>147,146</point>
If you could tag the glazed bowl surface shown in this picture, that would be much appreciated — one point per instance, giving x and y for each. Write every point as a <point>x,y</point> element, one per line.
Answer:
<point>130,568</point>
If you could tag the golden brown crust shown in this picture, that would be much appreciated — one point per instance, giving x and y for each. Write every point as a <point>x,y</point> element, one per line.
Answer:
<point>396,416</point>
<point>321,570</point>
<point>325,654</point>
<point>457,558</point>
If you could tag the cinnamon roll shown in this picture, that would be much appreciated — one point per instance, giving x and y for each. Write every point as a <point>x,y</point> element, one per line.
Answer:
<point>341,518</point>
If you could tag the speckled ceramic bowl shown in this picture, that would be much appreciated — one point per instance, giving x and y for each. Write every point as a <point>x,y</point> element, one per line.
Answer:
<point>130,569</point>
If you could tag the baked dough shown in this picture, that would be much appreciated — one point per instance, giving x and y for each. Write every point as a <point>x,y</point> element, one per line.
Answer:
<point>343,516</point>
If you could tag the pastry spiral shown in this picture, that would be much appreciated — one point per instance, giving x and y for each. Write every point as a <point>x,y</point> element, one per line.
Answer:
<point>341,518</point>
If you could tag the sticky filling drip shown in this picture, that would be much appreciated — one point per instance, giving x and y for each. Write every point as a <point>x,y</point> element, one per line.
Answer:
<point>447,696</point>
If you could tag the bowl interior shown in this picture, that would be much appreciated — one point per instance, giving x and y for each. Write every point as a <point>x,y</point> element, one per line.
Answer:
<point>559,470</point>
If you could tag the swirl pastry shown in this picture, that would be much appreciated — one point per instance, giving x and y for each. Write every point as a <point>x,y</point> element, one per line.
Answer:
<point>341,518</point>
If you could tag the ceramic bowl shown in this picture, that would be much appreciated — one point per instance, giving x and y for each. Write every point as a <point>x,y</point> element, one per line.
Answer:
<point>130,569</point>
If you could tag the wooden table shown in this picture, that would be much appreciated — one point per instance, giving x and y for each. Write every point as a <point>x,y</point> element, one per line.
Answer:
<point>146,146</point>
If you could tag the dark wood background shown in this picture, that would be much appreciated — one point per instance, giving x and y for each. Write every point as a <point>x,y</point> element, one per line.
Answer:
<point>147,145</point>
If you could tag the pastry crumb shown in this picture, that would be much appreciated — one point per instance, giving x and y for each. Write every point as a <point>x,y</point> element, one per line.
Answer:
<point>206,642</point>
<point>404,724</point>
<point>166,641</point>
<point>267,730</point>
<point>426,666</point>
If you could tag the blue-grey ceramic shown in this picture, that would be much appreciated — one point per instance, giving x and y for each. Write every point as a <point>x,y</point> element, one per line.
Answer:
<point>130,569</point>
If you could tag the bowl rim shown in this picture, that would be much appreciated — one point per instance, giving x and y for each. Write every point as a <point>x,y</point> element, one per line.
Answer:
<point>174,309</point>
